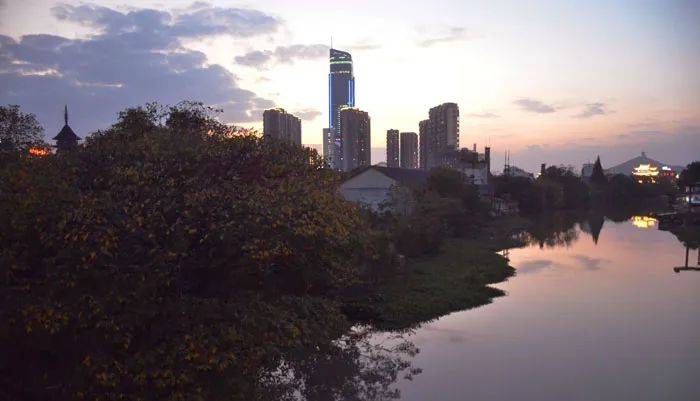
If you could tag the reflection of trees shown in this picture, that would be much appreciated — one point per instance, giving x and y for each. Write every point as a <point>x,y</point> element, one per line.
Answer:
<point>593,225</point>
<point>350,368</point>
<point>551,230</point>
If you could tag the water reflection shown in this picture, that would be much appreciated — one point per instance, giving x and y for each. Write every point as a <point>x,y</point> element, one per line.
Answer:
<point>644,222</point>
<point>594,313</point>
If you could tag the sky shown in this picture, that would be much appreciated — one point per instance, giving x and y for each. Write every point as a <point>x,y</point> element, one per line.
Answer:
<point>558,82</point>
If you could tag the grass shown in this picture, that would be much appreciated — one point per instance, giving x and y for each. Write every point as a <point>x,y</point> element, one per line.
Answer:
<point>428,288</point>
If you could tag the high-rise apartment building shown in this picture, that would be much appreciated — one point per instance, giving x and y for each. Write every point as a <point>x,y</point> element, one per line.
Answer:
<point>282,126</point>
<point>424,134</point>
<point>341,92</point>
<point>392,148</point>
<point>409,150</point>
<point>442,135</point>
<point>327,145</point>
<point>354,126</point>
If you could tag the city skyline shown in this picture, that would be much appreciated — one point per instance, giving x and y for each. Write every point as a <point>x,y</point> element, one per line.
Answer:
<point>552,82</point>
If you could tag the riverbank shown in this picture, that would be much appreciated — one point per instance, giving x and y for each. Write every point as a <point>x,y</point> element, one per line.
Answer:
<point>427,288</point>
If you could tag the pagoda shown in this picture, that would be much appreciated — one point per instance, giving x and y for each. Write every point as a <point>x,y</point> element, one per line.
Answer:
<point>66,139</point>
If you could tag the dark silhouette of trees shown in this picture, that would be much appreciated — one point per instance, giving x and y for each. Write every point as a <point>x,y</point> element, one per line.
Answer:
<point>174,258</point>
<point>18,131</point>
<point>690,175</point>
<point>598,176</point>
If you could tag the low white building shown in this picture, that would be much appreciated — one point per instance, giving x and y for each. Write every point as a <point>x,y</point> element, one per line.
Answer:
<point>384,187</point>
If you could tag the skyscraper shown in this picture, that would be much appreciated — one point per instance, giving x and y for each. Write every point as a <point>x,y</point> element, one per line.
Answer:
<point>442,137</point>
<point>424,134</point>
<point>409,150</point>
<point>282,126</point>
<point>392,148</point>
<point>327,145</point>
<point>354,125</point>
<point>341,92</point>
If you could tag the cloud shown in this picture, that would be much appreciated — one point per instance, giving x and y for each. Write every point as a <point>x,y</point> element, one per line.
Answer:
<point>452,35</point>
<point>307,114</point>
<point>532,266</point>
<point>132,58</point>
<point>282,55</point>
<point>588,262</point>
<point>197,21</point>
<point>534,106</point>
<point>483,115</point>
<point>593,109</point>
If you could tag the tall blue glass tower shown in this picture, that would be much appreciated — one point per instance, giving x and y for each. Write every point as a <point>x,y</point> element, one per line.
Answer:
<point>341,92</point>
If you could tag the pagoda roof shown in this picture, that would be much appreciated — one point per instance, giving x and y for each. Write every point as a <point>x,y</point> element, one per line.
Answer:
<point>66,134</point>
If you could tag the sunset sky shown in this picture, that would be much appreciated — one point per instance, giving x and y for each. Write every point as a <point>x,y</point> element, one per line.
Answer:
<point>553,81</point>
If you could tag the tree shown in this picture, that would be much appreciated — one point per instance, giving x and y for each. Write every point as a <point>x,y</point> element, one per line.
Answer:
<point>168,261</point>
<point>690,175</point>
<point>598,176</point>
<point>18,130</point>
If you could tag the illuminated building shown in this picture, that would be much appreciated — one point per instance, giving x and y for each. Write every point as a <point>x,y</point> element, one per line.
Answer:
<point>66,138</point>
<point>646,173</point>
<point>409,150</point>
<point>327,145</point>
<point>39,152</point>
<point>341,92</point>
<point>354,126</point>
<point>282,126</point>
<point>392,148</point>
<point>667,173</point>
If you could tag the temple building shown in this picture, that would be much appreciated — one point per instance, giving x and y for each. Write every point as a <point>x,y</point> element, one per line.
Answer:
<point>66,139</point>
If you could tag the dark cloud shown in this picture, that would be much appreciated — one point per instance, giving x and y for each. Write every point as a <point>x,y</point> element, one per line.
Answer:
<point>307,114</point>
<point>534,106</point>
<point>197,21</point>
<point>532,266</point>
<point>588,262</point>
<point>452,35</point>
<point>134,57</point>
<point>282,55</point>
<point>593,109</point>
<point>483,115</point>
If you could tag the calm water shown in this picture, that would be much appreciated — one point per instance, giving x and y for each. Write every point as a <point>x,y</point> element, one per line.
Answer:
<point>581,321</point>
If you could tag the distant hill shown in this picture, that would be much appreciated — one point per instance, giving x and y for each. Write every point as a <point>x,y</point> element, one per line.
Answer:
<point>627,167</point>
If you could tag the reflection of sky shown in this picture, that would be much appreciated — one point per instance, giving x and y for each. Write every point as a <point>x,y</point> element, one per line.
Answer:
<point>610,321</point>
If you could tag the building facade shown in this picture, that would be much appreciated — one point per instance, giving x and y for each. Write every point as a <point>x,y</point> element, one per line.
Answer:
<point>341,93</point>
<point>409,150</point>
<point>392,148</point>
<point>354,126</point>
<point>282,126</point>
<point>439,136</point>
<point>423,134</point>
<point>327,145</point>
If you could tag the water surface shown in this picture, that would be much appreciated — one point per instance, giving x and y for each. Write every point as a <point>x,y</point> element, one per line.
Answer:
<point>582,320</point>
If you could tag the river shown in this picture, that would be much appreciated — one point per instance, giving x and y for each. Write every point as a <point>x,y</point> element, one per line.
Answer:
<point>594,313</point>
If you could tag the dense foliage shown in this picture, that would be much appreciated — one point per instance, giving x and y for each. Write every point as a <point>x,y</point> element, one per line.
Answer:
<point>18,130</point>
<point>174,258</point>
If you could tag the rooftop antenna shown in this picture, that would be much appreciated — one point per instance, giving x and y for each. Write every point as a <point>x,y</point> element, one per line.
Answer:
<point>65,114</point>
<point>331,41</point>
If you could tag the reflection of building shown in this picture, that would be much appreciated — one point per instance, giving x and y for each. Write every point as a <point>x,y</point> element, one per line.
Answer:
<point>355,136</point>
<point>409,150</point>
<point>282,126</point>
<point>341,92</point>
<point>378,186</point>
<point>646,174</point>
<point>644,221</point>
<point>66,138</point>
<point>392,148</point>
